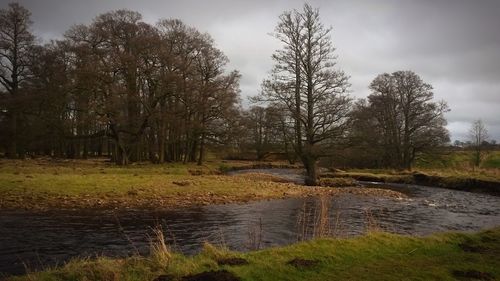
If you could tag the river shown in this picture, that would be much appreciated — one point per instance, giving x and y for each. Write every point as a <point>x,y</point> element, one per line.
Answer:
<point>40,239</point>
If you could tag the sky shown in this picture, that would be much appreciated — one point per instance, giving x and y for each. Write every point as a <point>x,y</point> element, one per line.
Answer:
<point>454,45</point>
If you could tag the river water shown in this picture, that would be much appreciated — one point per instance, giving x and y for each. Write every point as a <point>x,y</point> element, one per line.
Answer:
<point>39,239</point>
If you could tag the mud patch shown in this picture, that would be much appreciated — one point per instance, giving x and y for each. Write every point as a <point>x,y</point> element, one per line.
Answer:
<point>471,247</point>
<point>221,275</point>
<point>232,261</point>
<point>165,277</point>
<point>302,263</point>
<point>473,275</point>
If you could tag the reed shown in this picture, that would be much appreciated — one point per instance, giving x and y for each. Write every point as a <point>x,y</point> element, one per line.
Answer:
<point>317,221</point>
<point>158,247</point>
<point>255,236</point>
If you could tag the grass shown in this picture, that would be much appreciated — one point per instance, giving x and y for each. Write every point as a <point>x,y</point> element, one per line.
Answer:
<point>96,183</point>
<point>454,165</point>
<point>375,256</point>
<point>459,160</point>
<point>47,184</point>
<point>478,181</point>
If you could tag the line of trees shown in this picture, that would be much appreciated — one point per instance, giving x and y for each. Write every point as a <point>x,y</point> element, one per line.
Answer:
<point>136,92</point>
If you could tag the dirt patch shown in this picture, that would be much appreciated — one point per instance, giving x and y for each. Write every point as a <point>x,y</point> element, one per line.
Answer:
<point>471,248</point>
<point>165,277</point>
<point>195,172</point>
<point>182,183</point>
<point>473,275</point>
<point>262,177</point>
<point>220,275</point>
<point>302,263</point>
<point>337,182</point>
<point>232,261</point>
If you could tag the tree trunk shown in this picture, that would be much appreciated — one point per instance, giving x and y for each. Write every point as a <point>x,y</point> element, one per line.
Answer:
<point>12,146</point>
<point>311,171</point>
<point>202,149</point>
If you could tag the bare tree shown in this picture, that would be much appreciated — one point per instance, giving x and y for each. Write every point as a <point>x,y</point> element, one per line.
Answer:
<point>16,46</point>
<point>478,136</point>
<point>305,82</point>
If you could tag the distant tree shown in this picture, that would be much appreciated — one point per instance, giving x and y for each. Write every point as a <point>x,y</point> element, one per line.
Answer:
<point>403,118</point>
<point>478,136</point>
<point>457,143</point>
<point>364,146</point>
<point>16,48</point>
<point>264,126</point>
<point>305,82</point>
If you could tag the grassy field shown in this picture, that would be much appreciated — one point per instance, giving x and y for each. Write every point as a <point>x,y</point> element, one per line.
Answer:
<point>96,183</point>
<point>453,164</point>
<point>375,256</point>
<point>457,160</point>
<point>452,170</point>
<point>484,180</point>
<point>47,183</point>
<point>43,184</point>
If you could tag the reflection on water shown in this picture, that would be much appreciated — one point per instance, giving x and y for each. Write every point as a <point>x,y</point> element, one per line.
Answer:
<point>40,239</point>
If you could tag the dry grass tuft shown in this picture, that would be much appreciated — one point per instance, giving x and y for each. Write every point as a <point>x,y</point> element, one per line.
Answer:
<point>159,250</point>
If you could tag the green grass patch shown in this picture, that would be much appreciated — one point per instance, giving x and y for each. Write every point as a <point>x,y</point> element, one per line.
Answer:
<point>375,256</point>
<point>96,183</point>
<point>461,159</point>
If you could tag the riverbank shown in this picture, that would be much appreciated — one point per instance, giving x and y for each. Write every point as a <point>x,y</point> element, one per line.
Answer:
<point>471,181</point>
<point>70,184</point>
<point>375,256</point>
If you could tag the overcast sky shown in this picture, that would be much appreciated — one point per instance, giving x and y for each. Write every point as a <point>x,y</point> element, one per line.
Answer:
<point>452,44</point>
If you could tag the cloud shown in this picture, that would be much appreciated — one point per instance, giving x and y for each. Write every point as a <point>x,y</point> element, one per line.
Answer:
<point>452,44</point>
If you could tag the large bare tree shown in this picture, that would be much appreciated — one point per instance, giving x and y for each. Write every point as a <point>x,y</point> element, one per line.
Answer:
<point>306,82</point>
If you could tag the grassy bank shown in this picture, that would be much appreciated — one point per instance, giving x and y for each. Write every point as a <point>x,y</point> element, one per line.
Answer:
<point>482,180</point>
<point>45,184</point>
<point>375,256</point>
<point>460,159</point>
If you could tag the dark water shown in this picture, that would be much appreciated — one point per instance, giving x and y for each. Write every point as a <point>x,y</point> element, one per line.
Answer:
<point>42,239</point>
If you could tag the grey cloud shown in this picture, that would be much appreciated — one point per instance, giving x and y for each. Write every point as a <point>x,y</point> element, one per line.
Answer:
<point>453,44</point>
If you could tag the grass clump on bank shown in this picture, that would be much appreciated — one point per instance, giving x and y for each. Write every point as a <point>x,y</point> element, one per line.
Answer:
<point>375,256</point>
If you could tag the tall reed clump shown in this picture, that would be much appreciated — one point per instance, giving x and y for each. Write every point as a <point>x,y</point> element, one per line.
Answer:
<point>315,222</point>
<point>254,236</point>
<point>158,247</point>
<point>371,223</point>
